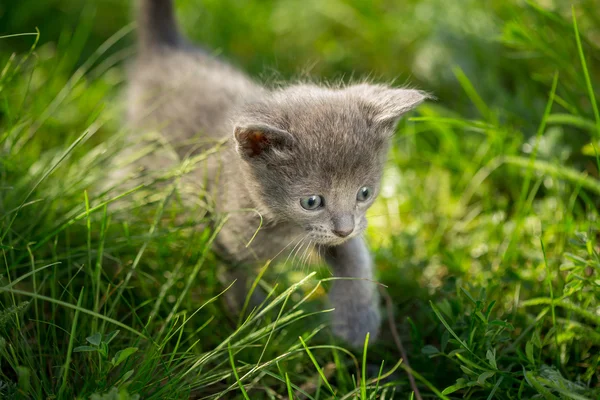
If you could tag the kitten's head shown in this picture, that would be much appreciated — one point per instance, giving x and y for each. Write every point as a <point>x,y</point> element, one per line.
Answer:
<point>314,156</point>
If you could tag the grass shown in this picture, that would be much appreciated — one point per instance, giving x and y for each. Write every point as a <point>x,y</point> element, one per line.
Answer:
<point>486,233</point>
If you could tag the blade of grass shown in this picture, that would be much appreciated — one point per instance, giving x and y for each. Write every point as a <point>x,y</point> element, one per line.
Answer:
<point>98,270</point>
<point>288,384</point>
<point>540,132</point>
<point>88,225</point>
<point>496,386</point>
<point>19,35</point>
<point>552,306</point>
<point>449,328</point>
<point>355,392</point>
<point>316,364</point>
<point>237,377</point>
<point>251,291</point>
<point>88,132</point>
<point>558,171</point>
<point>74,307</point>
<point>379,378</point>
<point>473,95</point>
<point>564,304</point>
<point>35,301</point>
<point>140,253</point>
<point>67,363</point>
<point>193,274</point>
<point>588,83</point>
<point>424,381</point>
<point>363,378</point>
<point>75,78</point>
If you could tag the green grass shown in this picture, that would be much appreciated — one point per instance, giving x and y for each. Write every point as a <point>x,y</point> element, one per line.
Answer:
<point>486,233</point>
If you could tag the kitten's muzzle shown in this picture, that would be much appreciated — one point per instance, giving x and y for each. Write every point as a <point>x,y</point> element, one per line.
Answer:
<point>343,225</point>
<point>343,233</point>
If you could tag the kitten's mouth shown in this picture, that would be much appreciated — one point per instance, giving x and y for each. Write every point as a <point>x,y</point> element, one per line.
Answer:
<point>330,239</point>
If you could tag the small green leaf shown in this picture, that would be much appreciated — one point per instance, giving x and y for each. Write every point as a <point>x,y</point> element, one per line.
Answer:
<point>127,375</point>
<point>491,357</point>
<point>103,349</point>
<point>469,296</point>
<point>575,257</point>
<point>24,379</point>
<point>529,351</point>
<point>122,355</point>
<point>589,150</point>
<point>535,339</point>
<point>115,394</point>
<point>503,324</point>
<point>95,339</point>
<point>490,308</point>
<point>455,352</point>
<point>82,349</point>
<point>470,363</point>
<point>460,383</point>
<point>443,321</point>
<point>430,350</point>
<point>567,267</point>
<point>468,371</point>
<point>531,379</point>
<point>452,389</point>
<point>110,336</point>
<point>482,317</point>
<point>548,338</point>
<point>484,376</point>
<point>445,337</point>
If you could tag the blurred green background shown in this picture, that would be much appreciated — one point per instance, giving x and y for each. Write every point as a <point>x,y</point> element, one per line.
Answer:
<point>486,233</point>
<point>508,49</point>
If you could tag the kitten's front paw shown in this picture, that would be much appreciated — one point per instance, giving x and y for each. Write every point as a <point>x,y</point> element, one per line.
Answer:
<point>352,322</point>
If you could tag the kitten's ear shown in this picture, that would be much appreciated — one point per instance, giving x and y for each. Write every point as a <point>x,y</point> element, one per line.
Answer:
<point>385,106</point>
<point>253,141</point>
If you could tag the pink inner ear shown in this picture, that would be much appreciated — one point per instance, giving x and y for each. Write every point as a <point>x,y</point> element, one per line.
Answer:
<point>253,142</point>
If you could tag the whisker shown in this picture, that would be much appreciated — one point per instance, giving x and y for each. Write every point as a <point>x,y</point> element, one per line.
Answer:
<point>320,251</point>
<point>312,252</point>
<point>298,264</point>
<point>305,256</point>
<point>296,250</point>
<point>286,246</point>
<point>298,239</point>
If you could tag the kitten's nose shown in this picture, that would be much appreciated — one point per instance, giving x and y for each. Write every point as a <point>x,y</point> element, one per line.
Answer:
<point>343,225</point>
<point>343,232</point>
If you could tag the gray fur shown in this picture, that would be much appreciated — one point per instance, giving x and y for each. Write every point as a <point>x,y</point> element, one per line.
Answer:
<point>282,144</point>
<point>157,26</point>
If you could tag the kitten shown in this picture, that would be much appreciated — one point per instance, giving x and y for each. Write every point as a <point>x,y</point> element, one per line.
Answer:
<point>307,159</point>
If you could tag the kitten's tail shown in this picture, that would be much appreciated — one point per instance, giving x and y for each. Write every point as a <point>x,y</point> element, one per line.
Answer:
<point>156,25</point>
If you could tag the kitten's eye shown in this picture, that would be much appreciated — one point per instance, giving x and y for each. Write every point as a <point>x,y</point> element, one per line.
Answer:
<point>312,202</point>
<point>364,193</point>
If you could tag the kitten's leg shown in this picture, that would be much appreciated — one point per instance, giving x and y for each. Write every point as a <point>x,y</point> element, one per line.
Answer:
<point>355,300</point>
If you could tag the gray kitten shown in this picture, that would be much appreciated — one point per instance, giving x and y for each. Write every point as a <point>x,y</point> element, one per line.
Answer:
<point>308,159</point>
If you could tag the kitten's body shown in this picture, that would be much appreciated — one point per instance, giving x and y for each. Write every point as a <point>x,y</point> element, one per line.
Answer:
<point>165,86</point>
<point>287,143</point>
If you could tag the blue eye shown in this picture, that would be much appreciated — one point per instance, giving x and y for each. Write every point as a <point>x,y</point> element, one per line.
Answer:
<point>364,193</point>
<point>312,202</point>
